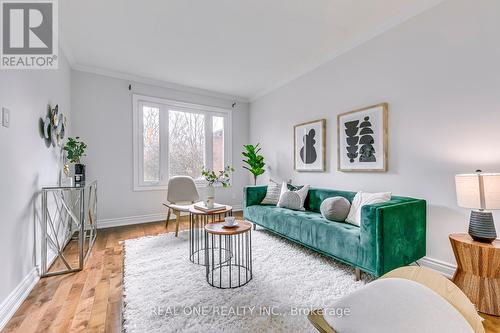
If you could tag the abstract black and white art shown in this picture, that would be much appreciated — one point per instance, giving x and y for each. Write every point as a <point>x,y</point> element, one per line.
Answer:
<point>309,145</point>
<point>362,139</point>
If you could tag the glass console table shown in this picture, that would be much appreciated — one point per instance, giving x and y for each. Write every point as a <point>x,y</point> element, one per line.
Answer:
<point>69,227</point>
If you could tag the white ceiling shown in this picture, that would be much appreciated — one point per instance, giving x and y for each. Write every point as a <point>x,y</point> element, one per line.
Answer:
<point>238,47</point>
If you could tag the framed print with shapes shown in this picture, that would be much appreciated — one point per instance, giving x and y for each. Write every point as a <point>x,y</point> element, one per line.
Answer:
<point>362,139</point>
<point>310,146</point>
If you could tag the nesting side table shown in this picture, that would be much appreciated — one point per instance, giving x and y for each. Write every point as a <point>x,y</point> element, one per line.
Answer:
<point>478,271</point>
<point>225,271</point>
<point>197,221</point>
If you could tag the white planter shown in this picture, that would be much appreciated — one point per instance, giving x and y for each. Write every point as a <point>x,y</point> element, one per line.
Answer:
<point>210,197</point>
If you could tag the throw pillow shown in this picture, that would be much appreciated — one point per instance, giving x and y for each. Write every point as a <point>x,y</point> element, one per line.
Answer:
<point>272,194</point>
<point>361,199</point>
<point>335,209</point>
<point>292,187</point>
<point>293,199</point>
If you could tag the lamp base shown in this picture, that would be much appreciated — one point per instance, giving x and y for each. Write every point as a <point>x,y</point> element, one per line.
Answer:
<point>482,227</point>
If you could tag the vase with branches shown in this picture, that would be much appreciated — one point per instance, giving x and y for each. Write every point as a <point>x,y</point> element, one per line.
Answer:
<point>254,161</point>
<point>222,177</point>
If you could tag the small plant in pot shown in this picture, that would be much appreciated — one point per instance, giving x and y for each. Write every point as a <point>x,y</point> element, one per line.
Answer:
<point>213,178</point>
<point>75,150</point>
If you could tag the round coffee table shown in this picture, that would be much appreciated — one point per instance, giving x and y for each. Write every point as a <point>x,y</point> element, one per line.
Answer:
<point>197,221</point>
<point>236,270</point>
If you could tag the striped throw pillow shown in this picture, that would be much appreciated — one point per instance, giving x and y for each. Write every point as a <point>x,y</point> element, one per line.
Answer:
<point>273,194</point>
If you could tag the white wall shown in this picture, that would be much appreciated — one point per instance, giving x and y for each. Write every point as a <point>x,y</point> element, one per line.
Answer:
<point>440,72</point>
<point>103,118</point>
<point>26,165</point>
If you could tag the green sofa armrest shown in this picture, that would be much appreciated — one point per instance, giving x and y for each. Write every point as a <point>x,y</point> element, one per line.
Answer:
<point>396,230</point>
<point>253,195</point>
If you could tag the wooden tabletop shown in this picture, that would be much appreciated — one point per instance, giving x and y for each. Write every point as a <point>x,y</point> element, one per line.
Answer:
<point>193,210</point>
<point>219,229</point>
<point>465,238</point>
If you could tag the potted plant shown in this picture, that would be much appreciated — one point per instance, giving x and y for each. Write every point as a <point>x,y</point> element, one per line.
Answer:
<point>213,178</point>
<point>75,150</point>
<point>254,161</point>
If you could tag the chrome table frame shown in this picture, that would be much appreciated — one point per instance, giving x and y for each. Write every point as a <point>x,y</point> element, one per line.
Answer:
<point>73,212</point>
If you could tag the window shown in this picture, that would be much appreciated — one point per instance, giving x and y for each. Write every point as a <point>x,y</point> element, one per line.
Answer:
<point>173,138</point>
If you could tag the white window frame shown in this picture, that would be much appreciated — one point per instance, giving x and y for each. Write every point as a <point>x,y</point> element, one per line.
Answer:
<point>164,105</point>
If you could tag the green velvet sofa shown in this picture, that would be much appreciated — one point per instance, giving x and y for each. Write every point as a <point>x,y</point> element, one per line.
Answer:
<point>391,235</point>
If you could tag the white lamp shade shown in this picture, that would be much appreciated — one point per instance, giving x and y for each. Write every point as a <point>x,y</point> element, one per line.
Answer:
<point>478,190</point>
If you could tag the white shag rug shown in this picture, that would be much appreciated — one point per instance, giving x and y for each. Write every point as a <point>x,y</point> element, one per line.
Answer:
<point>165,292</point>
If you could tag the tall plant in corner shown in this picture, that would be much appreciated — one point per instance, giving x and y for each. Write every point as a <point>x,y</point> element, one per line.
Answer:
<point>254,162</point>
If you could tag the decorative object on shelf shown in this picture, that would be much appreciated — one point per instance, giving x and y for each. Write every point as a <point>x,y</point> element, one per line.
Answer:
<point>53,127</point>
<point>76,150</point>
<point>362,139</point>
<point>478,271</point>
<point>310,146</point>
<point>65,178</point>
<point>254,161</point>
<point>481,192</point>
<point>212,178</point>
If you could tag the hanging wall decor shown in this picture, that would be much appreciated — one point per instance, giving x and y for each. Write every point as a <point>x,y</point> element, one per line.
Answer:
<point>310,146</point>
<point>53,127</point>
<point>362,139</point>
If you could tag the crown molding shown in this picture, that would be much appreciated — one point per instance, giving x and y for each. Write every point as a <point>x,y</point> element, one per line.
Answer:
<point>156,83</point>
<point>360,41</point>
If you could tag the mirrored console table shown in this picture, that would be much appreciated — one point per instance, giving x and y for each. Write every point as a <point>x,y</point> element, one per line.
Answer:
<point>69,227</point>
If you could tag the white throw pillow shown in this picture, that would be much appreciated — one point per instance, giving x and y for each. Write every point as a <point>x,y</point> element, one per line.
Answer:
<point>293,199</point>
<point>272,194</point>
<point>361,199</point>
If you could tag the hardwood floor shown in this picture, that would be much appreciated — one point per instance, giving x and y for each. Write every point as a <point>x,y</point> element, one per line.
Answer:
<point>91,300</point>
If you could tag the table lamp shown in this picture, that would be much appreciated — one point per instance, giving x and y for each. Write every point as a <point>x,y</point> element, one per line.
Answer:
<point>481,192</point>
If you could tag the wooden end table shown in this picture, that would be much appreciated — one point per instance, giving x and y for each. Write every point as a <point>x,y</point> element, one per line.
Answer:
<point>478,271</point>
<point>228,255</point>
<point>197,221</point>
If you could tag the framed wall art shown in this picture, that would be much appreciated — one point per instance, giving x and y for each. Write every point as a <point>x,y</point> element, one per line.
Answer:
<point>363,139</point>
<point>310,146</point>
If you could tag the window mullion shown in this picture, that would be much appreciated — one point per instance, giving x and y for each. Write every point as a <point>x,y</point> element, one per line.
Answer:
<point>164,144</point>
<point>209,137</point>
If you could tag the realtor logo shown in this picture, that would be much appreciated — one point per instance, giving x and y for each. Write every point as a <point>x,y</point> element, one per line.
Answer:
<point>29,34</point>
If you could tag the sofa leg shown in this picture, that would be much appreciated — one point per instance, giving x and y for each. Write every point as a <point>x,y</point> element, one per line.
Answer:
<point>357,272</point>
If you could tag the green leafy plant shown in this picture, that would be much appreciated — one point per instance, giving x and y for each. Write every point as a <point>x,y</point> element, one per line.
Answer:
<point>75,149</point>
<point>254,161</point>
<point>222,177</point>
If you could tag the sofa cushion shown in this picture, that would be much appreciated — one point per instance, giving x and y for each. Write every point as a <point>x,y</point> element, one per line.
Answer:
<point>293,199</point>
<point>335,208</point>
<point>310,228</point>
<point>272,194</point>
<point>316,196</point>
<point>364,198</point>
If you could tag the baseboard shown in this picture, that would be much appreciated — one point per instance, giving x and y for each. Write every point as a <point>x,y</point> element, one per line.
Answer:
<point>10,305</point>
<point>130,220</point>
<point>442,267</point>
